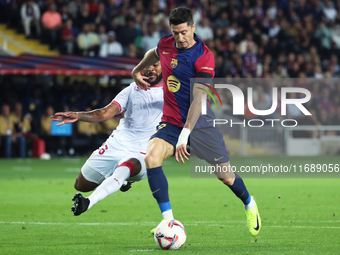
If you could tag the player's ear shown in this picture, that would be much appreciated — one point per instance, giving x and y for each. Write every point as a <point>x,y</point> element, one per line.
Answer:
<point>193,27</point>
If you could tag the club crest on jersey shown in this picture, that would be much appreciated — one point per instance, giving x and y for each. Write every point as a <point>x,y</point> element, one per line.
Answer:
<point>173,84</point>
<point>174,63</point>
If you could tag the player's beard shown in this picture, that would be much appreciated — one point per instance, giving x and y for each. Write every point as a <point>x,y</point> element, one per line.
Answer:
<point>157,80</point>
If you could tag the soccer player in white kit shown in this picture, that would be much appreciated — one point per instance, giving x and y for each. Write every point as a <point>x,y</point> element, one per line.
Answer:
<point>121,158</point>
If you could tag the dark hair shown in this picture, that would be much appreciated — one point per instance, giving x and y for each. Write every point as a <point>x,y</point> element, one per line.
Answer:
<point>181,15</point>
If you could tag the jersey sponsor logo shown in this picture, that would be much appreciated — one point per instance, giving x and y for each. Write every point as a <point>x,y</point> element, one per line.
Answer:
<point>173,84</point>
<point>174,63</point>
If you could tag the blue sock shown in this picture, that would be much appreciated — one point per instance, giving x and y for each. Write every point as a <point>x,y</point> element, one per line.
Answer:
<point>159,187</point>
<point>240,190</point>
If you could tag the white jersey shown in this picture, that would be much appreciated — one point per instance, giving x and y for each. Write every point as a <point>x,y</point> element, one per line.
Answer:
<point>144,110</point>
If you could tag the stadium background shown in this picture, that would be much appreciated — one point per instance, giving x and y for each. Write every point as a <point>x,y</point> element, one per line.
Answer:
<point>286,38</point>
<point>264,39</point>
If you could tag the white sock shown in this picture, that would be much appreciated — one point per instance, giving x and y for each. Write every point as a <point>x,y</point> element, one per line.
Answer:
<point>250,205</point>
<point>110,185</point>
<point>168,215</point>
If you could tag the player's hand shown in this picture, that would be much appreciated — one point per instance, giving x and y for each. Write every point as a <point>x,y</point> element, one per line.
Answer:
<point>65,117</point>
<point>181,151</point>
<point>139,79</point>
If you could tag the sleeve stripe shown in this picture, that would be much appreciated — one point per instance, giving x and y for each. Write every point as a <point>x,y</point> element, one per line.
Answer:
<point>118,104</point>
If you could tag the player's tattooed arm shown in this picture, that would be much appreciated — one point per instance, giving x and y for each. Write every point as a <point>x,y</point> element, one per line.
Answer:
<point>88,116</point>
<point>97,115</point>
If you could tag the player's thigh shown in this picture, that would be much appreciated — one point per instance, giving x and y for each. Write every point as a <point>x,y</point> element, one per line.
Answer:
<point>99,166</point>
<point>208,144</point>
<point>88,179</point>
<point>158,150</point>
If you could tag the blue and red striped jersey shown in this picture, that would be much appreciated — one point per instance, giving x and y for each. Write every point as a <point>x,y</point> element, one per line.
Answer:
<point>178,67</point>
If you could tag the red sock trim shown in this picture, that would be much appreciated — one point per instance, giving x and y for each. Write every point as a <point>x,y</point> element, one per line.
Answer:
<point>130,165</point>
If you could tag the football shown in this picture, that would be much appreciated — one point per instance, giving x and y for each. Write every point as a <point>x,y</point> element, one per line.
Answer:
<point>170,235</point>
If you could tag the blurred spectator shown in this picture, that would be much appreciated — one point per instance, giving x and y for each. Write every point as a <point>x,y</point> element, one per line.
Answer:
<point>204,30</point>
<point>150,38</point>
<point>249,61</point>
<point>22,122</point>
<point>280,72</point>
<point>132,52</point>
<point>112,47</point>
<point>318,72</point>
<point>274,29</point>
<point>45,133</point>
<point>335,33</point>
<point>64,13</point>
<point>112,8</point>
<point>222,21</point>
<point>272,10</point>
<point>126,33</point>
<point>89,130</point>
<point>324,34</point>
<point>93,6</point>
<point>243,45</point>
<point>69,35</point>
<point>46,121</point>
<point>85,14</point>
<point>30,14</point>
<point>52,22</point>
<point>9,135</point>
<point>154,14</point>
<point>102,34</point>
<point>88,42</point>
<point>101,17</point>
<point>74,7</point>
<point>329,11</point>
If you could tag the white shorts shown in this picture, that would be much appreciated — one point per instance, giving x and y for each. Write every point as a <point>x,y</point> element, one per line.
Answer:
<point>106,159</point>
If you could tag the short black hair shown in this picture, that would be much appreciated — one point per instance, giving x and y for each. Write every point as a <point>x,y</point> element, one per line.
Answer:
<point>181,15</point>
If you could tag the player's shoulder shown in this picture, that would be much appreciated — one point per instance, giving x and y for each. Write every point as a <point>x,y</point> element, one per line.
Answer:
<point>204,47</point>
<point>134,87</point>
<point>166,40</point>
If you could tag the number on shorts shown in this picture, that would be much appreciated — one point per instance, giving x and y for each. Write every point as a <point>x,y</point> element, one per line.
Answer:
<point>102,149</point>
<point>160,127</point>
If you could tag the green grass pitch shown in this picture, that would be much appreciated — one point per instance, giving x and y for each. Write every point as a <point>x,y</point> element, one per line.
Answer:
<point>299,216</point>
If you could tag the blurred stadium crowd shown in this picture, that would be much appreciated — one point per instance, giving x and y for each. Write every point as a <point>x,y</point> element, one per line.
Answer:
<point>249,38</point>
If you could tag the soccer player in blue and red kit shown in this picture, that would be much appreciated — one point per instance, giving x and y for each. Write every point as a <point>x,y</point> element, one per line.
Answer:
<point>184,56</point>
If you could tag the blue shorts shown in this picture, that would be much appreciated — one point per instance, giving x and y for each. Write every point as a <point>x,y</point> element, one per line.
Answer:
<point>207,143</point>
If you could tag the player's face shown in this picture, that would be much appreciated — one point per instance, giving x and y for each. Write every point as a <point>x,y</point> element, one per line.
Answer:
<point>184,35</point>
<point>154,73</point>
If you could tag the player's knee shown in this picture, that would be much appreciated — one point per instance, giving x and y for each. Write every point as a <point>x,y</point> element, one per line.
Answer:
<point>78,186</point>
<point>227,181</point>
<point>151,161</point>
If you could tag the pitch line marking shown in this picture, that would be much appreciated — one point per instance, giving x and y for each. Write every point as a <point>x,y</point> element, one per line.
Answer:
<point>210,224</point>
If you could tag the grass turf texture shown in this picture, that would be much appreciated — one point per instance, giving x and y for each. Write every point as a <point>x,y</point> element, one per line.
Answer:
<point>300,216</point>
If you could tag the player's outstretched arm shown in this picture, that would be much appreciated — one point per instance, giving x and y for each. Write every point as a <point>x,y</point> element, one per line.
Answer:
<point>149,59</point>
<point>98,115</point>
<point>193,115</point>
